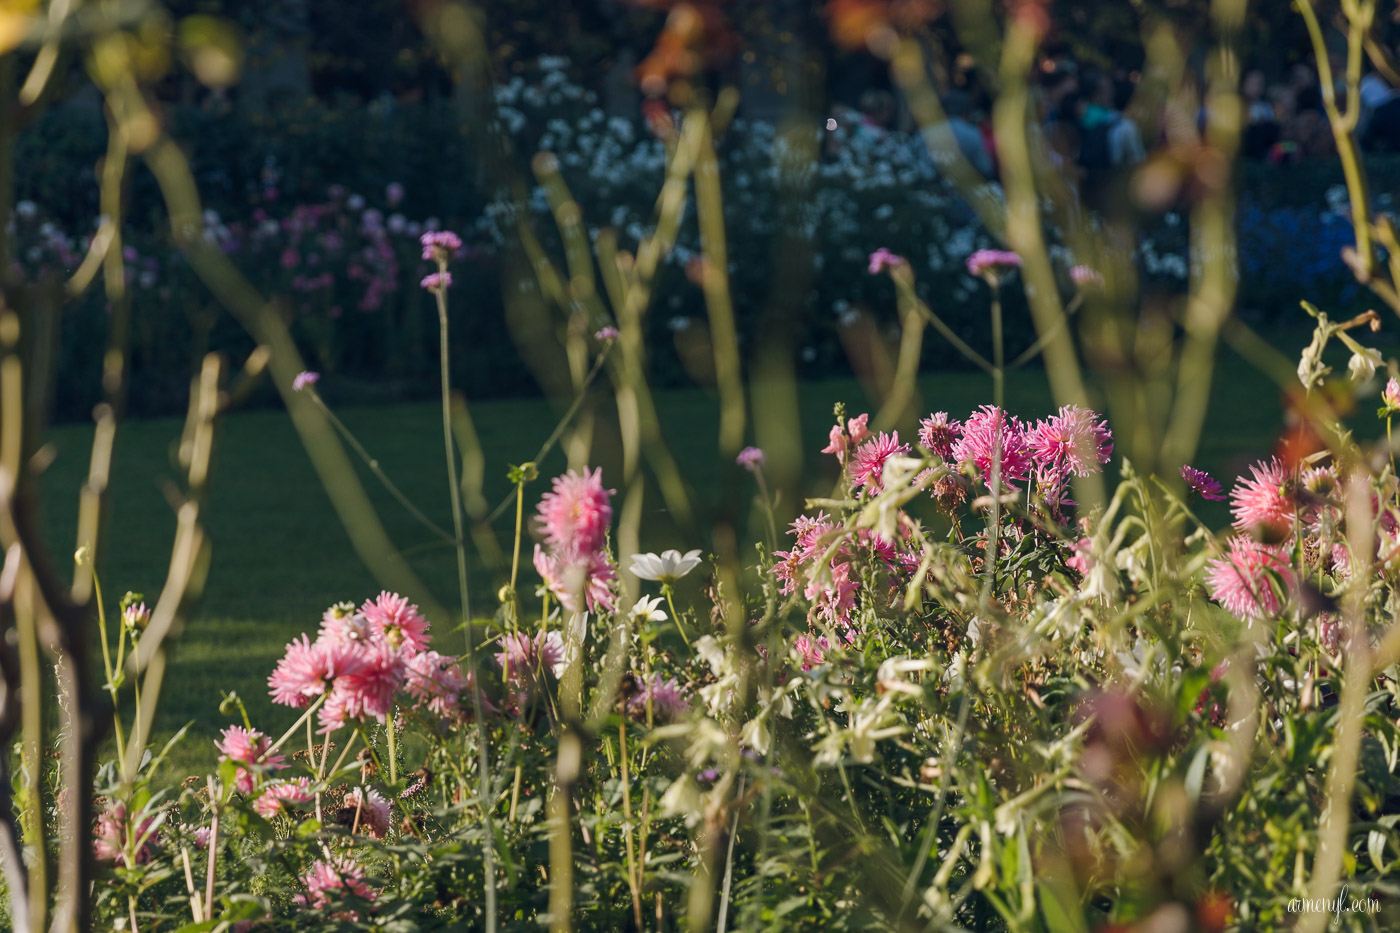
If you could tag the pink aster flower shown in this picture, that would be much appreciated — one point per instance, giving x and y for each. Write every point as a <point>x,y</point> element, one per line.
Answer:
<point>1262,501</point>
<point>247,747</point>
<point>992,260</point>
<point>1203,484</point>
<point>370,810</point>
<point>305,380</point>
<point>1074,440</point>
<point>575,515</point>
<point>988,434</point>
<point>938,433</point>
<point>440,245</point>
<point>751,459</point>
<point>437,281</point>
<point>435,681</point>
<point>283,797</point>
<point>593,577</point>
<point>883,259</point>
<point>666,697</point>
<point>397,621</point>
<point>308,670</point>
<point>334,878</point>
<point>1243,581</point>
<point>868,462</point>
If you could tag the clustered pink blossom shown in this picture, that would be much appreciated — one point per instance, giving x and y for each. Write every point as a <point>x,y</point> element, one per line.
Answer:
<point>574,518</point>
<point>109,838</point>
<point>607,333</point>
<point>248,748</point>
<point>1203,484</point>
<point>883,259</point>
<point>305,380</point>
<point>1244,580</point>
<point>436,281</point>
<point>440,245</point>
<point>843,439</point>
<point>820,565</point>
<point>992,260</point>
<point>751,458</point>
<point>362,659</point>
<point>335,877</point>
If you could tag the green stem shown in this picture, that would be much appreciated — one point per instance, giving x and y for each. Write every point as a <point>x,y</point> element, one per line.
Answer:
<point>670,604</point>
<point>483,756</point>
<point>297,725</point>
<point>393,751</point>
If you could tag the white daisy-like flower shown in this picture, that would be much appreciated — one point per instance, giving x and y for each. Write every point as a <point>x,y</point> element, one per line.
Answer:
<point>646,610</point>
<point>666,567</point>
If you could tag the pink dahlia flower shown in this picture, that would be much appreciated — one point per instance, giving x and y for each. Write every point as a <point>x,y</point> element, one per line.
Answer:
<point>435,681</point>
<point>938,433</point>
<point>247,747</point>
<point>337,877</point>
<point>1262,501</point>
<point>575,515</point>
<point>524,658</point>
<point>1203,484</point>
<point>368,691</point>
<point>1074,440</point>
<point>283,797</point>
<point>309,669</point>
<point>372,809</point>
<point>989,433</point>
<point>109,838</point>
<point>397,621</point>
<point>593,578</point>
<point>1243,581</point>
<point>868,462</point>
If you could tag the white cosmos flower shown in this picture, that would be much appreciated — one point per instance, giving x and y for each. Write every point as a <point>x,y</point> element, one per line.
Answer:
<point>646,610</point>
<point>666,567</point>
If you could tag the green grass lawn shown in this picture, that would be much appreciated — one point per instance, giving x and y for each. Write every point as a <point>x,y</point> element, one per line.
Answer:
<point>280,555</point>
